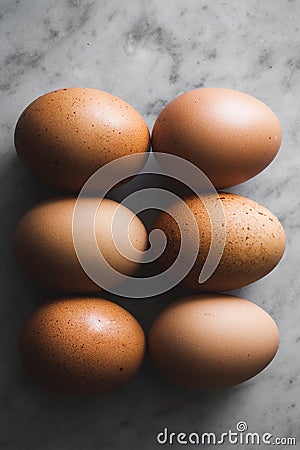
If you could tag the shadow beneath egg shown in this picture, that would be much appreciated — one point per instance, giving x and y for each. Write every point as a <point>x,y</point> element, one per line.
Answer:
<point>133,414</point>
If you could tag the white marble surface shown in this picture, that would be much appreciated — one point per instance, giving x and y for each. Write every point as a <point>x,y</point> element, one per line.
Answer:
<point>147,53</point>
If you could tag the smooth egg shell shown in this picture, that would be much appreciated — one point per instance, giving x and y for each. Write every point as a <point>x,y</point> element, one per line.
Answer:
<point>212,341</point>
<point>43,242</point>
<point>81,346</point>
<point>229,135</point>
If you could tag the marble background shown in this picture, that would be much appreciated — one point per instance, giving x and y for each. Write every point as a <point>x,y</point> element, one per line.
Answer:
<point>147,53</point>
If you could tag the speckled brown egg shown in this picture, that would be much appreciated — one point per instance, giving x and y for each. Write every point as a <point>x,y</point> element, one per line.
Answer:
<point>254,241</point>
<point>43,242</point>
<point>229,135</point>
<point>64,136</point>
<point>212,341</point>
<point>82,346</point>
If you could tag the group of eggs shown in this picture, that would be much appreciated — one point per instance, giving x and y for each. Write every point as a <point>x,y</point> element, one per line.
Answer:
<point>81,344</point>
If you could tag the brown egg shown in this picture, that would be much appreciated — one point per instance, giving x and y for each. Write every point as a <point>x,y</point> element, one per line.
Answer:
<point>229,135</point>
<point>82,346</point>
<point>43,242</point>
<point>64,136</point>
<point>212,341</point>
<point>254,241</point>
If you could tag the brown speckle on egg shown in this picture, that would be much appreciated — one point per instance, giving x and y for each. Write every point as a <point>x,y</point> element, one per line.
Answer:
<point>82,346</point>
<point>255,242</point>
<point>76,124</point>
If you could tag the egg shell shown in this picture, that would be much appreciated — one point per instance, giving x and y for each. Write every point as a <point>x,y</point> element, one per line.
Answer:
<point>64,136</point>
<point>44,247</point>
<point>254,241</point>
<point>212,341</point>
<point>229,135</point>
<point>82,346</point>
